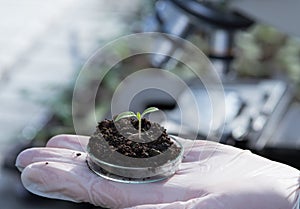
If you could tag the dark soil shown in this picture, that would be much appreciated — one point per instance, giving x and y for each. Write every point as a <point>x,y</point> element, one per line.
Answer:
<point>122,137</point>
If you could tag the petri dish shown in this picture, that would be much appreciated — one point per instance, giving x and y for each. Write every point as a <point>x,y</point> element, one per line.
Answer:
<point>134,172</point>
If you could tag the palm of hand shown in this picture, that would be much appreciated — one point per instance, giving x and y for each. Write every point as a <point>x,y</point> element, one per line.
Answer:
<point>211,176</point>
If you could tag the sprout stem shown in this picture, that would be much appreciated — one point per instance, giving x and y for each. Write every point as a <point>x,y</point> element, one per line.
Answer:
<point>138,116</point>
<point>140,128</point>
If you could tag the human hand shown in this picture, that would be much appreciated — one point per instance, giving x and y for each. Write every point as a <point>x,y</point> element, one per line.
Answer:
<point>211,176</point>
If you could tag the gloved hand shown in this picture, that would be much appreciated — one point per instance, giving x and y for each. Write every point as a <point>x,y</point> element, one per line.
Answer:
<point>211,176</point>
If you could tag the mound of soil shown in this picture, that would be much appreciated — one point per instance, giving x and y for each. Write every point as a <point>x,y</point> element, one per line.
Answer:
<point>122,137</point>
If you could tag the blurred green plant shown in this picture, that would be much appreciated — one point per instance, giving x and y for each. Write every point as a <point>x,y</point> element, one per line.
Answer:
<point>61,106</point>
<point>265,52</point>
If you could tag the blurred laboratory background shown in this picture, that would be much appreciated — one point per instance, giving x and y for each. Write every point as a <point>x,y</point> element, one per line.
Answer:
<point>44,45</point>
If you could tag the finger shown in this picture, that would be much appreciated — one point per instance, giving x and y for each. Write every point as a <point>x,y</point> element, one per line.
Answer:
<point>201,150</point>
<point>73,142</point>
<point>57,180</point>
<point>77,183</point>
<point>70,182</point>
<point>34,155</point>
<point>210,201</point>
<point>190,147</point>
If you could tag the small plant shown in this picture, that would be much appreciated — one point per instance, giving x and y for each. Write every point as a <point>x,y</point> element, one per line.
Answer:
<point>137,115</point>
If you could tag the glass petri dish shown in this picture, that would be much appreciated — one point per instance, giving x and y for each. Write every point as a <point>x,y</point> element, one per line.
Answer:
<point>136,174</point>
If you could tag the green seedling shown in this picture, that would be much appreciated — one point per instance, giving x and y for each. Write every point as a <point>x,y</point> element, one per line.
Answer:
<point>137,115</point>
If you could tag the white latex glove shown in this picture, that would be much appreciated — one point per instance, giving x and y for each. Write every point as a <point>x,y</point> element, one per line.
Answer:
<point>211,176</point>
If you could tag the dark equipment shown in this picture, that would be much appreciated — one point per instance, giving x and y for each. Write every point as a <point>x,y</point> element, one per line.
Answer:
<point>262,114</point>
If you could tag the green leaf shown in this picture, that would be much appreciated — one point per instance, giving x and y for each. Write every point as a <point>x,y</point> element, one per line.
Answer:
<point>138,116</point>
<point>125,115</point>
<point>149,110</point>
